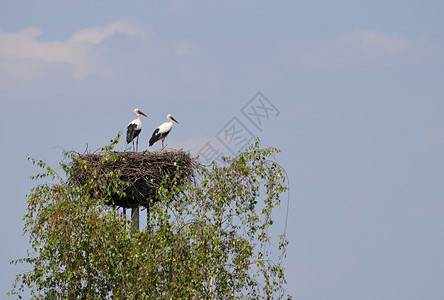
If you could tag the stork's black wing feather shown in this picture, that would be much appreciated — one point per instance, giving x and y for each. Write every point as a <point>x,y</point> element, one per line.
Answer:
<point>132,132</point>
<point>155,137</point>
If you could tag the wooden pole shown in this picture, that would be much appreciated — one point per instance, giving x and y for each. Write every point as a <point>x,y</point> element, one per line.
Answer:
<point>148,226</point>
<point>135,217</point>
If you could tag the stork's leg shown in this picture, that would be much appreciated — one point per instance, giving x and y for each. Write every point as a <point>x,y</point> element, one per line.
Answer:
<point>133,145</point>
<point>137,144</point>
<point>163,145</point>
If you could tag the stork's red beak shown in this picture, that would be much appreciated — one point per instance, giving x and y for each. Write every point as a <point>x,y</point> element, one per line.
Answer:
<point>174,120</point>
<point>142,114</point>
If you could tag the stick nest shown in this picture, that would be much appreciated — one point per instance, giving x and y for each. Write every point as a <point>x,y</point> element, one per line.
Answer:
<point>145,171</point>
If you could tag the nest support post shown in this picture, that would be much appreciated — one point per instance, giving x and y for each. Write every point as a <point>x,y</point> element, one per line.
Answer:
<point>135,217</point>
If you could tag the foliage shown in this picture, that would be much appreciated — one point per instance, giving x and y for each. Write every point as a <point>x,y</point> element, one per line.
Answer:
<point>211,242</point>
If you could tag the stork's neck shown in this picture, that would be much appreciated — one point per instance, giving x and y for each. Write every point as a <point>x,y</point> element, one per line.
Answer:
<point>138,116</point>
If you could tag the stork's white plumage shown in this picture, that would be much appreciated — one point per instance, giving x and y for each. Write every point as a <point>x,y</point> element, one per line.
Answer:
<point>134,128</point>
<point>162,131</point>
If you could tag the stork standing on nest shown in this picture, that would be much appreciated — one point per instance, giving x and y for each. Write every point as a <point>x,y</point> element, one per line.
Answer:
<point>134,128</point>
<point>162,131</point>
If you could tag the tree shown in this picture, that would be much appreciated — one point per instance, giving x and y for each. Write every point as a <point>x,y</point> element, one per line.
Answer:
<point>211,242</point>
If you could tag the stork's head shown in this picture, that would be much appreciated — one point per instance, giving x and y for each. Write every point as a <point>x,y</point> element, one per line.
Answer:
<point>170,117</point>
<point>139,112</point>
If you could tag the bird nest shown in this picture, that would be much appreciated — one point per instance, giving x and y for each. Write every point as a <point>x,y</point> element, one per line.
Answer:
<point>144,171</point>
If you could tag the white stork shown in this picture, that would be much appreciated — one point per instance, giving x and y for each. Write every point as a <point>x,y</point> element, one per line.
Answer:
<point>162,131</point>
<point>134,128</point>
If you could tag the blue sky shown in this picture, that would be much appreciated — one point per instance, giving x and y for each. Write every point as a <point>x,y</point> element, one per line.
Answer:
<point>359,86</point>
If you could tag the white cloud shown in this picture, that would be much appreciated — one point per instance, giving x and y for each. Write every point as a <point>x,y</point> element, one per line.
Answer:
<point>354,49</point>
<point>375,43</point>
<point>96,35</point>
<point>22,54</point>
<point>147,63</point>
